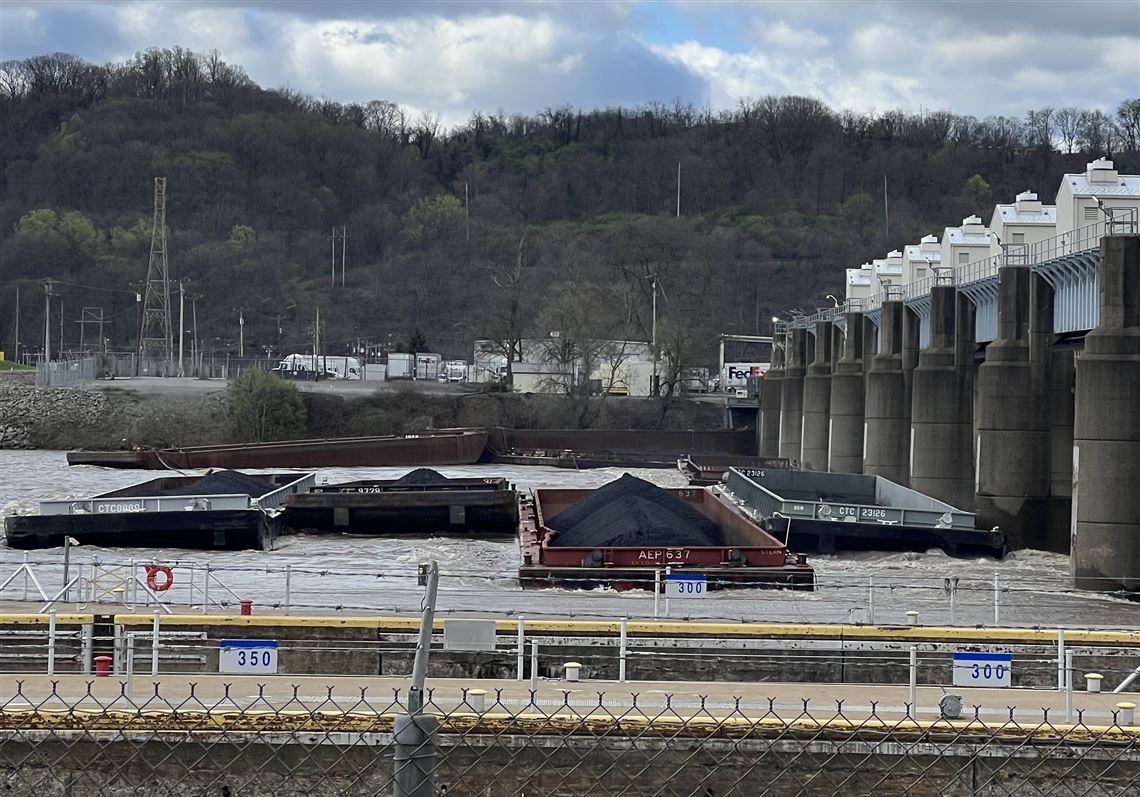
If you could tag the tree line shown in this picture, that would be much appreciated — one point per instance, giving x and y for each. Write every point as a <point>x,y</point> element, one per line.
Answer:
<point>496,228</point>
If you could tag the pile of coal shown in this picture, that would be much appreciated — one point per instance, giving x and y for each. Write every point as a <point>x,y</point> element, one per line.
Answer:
<point>421,476</point>
<point>221,482</point>
<point>632,512</point>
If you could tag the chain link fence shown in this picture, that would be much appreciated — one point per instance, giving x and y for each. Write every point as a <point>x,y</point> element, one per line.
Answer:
<point>66,373</point>
<point>94,738</point>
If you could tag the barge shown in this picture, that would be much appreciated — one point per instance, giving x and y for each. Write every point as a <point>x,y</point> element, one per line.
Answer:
<point>831,512</point>
<point>749,557</point>
<point>705,470</point>
<point>221,510</point>
<point>440,447</point>
<point>402,506</point>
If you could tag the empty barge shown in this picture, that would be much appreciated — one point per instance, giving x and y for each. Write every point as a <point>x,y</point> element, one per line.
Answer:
<point>399,506</point>
<point>442,447</point>
<point>831,512</point>
<point>750,556</point>
<point>704,470</point>
<point>226,510</point>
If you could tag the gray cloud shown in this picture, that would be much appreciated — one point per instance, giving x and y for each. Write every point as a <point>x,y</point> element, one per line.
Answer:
<point>453,57</point>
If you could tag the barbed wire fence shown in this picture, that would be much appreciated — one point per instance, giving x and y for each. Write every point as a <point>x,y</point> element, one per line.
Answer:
<point>245,740</point>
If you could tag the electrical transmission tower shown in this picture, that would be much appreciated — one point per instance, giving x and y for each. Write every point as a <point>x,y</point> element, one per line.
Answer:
<point>155,335</point>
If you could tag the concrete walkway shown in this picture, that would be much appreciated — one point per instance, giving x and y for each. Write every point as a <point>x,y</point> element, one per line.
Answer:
<point>654,698</point>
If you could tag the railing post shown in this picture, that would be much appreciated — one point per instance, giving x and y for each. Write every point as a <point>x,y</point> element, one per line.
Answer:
<point>914,682</point>
<point>997,601</point>
<point>1060,659</point>
<point>622,649</point>
<point>1069,687</point>
<point>51,643</point>
<point>534,665</point>
<point>154,643</point>
<point>656,593</point>
<point>206,591</point>
<point>87,647</point>
<point>520,648</point>
<point>871,600</point>
<point>288,587</point>
<point>26,574</point>
<point>668,572</point>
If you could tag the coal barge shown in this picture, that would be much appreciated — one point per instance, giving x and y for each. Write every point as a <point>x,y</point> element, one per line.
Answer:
<point>420,502</point>
<point>829,512</point>
<point>618,535</point>
<point>222,510</point>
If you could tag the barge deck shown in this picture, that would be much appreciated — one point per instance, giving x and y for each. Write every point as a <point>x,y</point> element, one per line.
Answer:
<point>168,512</point>
<point>750,557</point>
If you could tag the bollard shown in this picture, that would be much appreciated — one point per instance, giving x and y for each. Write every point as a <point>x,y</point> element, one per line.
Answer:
<point>1092,681</point>
<point>997,601</point>
<point>102,666</point>
<point>1127,714</point>
<point>871,600</point>
<point>246,607</point>
<point>572,670</point>
<point>288,586</point>
<point>520,648</point>
<point>912,617</point>
<point>477,700</point>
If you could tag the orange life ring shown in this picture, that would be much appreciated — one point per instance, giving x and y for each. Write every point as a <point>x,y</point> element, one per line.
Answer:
<point>152,581</point>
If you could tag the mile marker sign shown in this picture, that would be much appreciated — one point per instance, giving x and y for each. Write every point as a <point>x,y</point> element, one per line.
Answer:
<point>684,585</point>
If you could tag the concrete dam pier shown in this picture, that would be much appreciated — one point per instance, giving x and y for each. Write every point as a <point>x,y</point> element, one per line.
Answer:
<point>1035,427</point>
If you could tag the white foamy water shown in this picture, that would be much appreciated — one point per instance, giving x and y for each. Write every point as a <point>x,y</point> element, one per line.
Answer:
<point>378,574</point>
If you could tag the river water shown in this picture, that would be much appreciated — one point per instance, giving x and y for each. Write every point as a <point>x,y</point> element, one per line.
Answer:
<point>356,575</point>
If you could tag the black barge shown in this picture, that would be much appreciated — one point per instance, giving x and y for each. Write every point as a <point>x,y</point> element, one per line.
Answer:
<point>224,510</point>
<point>830,512</point>
<point>421,502</point>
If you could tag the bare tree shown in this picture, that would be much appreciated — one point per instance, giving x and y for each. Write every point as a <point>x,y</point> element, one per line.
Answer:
<point>506,330</point>
<point>1068,126</point>
<point>1128,121</point>
<point>1039,126</point>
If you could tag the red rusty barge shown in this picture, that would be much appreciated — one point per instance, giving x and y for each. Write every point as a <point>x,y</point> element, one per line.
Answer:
<point>751,558</point>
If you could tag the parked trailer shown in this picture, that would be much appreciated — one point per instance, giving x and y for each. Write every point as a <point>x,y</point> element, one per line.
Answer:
<point>750,558</point>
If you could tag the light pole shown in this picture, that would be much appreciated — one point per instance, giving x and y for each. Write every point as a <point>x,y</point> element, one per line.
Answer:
<point>241,333</point>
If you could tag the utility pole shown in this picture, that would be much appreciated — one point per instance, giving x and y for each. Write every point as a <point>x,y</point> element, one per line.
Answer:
<point>655,390</point>
<point>241,332</point>
<point>61,327</point>
<point>678,189</point>
<point>194,315</point>
<point>333,238</point>
<point>181,326</point>
<point>343,251</point>
<point>467,213</point>
<point>886,209</point>
<point>415,732</point>
<point>47,321</point>
<point>16,353</point>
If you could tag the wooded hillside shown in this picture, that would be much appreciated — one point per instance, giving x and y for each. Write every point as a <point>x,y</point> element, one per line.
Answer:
<point>499,228</point>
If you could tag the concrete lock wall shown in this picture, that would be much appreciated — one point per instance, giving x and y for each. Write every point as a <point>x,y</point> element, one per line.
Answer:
<point>1106,434</point>
<point>848,386</point>
<point>817,400</point>
<point>887,427</point>
<point>768,425</point>
<point>1011,446</point>
<point>941,464</point>
<point>792,396</point>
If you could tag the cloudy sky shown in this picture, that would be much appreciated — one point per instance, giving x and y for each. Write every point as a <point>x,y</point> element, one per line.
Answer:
<point>453,57</point>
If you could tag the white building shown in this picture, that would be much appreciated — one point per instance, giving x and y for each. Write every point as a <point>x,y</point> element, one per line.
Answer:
<point>859,282</point>
<point>965,244</point>
<point>920,259</point>
<point>889,270</point>
<point>1026,221</point>
<point>1076,198</point>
